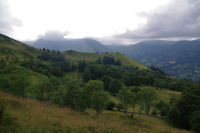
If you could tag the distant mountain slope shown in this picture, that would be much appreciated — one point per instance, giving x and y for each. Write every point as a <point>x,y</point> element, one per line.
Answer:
<point>177,58</point>
<point>81,45</point>
<point>15,51</point>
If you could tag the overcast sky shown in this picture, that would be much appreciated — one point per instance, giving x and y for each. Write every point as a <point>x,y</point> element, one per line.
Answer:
<point>109,21</point>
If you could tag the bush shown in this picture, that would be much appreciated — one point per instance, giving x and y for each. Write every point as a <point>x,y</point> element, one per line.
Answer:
<point>110,105</point>
<point>119,107</point>
<point>195,121</point>
<point>163,107</point>
<point>154,112</point>
<point>2,107</point>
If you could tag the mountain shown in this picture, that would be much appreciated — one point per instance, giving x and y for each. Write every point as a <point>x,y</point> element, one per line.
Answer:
<point>54,91</point>
<point>176,58</point>
<point>81,45</point>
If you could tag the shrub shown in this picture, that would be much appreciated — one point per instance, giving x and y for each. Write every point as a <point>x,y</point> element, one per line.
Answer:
<point>119,107</point>
<point>110,105</point>
<point>195,121</point>
<point>154,112</point>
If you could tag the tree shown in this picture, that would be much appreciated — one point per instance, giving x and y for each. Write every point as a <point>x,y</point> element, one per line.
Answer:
<point>124,96</point>
<point>2,63</point>
<point>195,121</point>
<point>64,66</point>
<point>42,90</point>
<point>114,86</point>
<point>106,79</point>
<point>57,71</point>
<point>82,65</point>
<point>135,97</point>
<point>2,109</point>
<point>99,61</point>
<point>148,96</point>
<point>108,60</point>
<point>95,96</point>
<point>163,107</point>
<point>118,62</point>
<point>119,107</point>
<point>98,100</point>
<point>182,112</point>
<point>73,96</point>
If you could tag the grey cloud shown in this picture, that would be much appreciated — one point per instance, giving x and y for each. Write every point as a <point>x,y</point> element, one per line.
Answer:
<point>53,35</point>
<point>178,19</point>
<point>7,21</point>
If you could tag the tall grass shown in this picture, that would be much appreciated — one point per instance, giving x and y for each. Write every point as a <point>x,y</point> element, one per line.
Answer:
<point>37,117</point>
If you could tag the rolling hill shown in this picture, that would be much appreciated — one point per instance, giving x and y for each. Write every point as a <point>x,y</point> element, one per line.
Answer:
<point>176,58</point>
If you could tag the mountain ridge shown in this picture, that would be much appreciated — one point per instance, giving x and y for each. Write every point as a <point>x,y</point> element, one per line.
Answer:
<point>81,45</point>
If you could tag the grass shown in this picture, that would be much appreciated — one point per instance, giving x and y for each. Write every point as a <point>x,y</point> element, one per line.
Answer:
<point>164,94</point>
<point>33,116</point>
<point>77,56</point>
<point>128,61</point>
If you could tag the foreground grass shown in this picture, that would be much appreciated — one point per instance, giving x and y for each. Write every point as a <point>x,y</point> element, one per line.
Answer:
<point>33,116</point>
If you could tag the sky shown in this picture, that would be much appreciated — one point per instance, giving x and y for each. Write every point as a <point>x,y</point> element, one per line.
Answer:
<point>109,21</point>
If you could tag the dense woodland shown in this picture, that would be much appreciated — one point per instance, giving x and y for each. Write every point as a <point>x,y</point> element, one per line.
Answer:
<point>93,83</point>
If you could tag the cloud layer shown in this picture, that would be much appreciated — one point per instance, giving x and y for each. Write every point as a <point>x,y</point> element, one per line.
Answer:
<point>7,21</point>
<point>53,35</point>
<point>178,19</point>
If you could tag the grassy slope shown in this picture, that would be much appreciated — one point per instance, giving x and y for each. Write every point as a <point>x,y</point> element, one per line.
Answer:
<point>126,61</point>
<point>13,48</point>
<point>164,94</point>
<point>34,116</point>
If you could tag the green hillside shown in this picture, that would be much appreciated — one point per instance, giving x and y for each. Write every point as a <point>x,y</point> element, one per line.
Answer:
<point>126,61</point>
<point>176,58</point>
<point>53,91</point>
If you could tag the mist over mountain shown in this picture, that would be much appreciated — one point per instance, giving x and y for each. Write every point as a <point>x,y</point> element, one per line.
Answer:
<point>81,45</point>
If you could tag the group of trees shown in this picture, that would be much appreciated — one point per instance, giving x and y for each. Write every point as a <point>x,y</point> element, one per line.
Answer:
<point>51,55</point>
<point>108,60</point>
<point>49,62</point>
<point>114,76</point>
<point>186,112</point>
<point>130,96</point>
